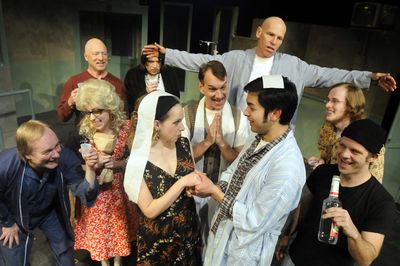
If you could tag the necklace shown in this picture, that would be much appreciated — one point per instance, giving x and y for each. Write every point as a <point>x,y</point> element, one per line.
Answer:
<point>152,80</point>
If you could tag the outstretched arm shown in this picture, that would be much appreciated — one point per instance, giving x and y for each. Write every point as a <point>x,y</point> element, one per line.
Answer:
<point>385,81</point>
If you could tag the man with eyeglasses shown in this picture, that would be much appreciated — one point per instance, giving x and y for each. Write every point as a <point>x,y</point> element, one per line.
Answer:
<point>34,180</point>
<point>97,58</point>
<point>345,103</point>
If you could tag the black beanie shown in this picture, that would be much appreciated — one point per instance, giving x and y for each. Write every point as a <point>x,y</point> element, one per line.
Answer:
<point>367,133</point>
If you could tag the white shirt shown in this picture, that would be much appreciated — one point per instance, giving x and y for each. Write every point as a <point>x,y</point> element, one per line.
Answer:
<point>262,66</point>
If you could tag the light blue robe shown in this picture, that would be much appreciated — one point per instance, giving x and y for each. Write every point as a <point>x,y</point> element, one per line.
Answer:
<point>270,191</point>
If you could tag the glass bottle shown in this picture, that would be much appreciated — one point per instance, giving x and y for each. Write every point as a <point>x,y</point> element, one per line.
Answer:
<point>328,230</point>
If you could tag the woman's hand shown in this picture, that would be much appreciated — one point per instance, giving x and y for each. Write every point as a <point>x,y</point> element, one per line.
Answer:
<point>91,158</point>
<point>191,180</point>
<point>313,162</point>
<point>105,161</point>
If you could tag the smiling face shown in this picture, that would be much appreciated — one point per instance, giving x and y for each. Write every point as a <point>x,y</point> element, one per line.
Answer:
<point>270,36</point>
<point>336,106</point>
<point>100,118</point>
<point>171,128</point>
<point>214,91</point>
<point>353,158</point>
<point>45,151</point>
<point>255,114</point>
<point>96,55</point>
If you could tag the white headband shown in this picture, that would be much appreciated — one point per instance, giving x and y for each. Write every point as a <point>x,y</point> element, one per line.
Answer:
<point>273,81</point>
<point>141,144</point>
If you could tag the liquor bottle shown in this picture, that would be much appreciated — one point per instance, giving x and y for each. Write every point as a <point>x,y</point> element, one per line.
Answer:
<point>328,231</point>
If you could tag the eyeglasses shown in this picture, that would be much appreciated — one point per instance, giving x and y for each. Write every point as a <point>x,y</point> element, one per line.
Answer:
<point>334,101</point>
<point>95,112</point>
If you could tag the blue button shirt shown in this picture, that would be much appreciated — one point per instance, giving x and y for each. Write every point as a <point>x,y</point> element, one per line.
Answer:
<point>40,192</point>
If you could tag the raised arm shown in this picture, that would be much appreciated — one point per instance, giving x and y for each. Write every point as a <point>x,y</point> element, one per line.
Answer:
<point>181,59</point>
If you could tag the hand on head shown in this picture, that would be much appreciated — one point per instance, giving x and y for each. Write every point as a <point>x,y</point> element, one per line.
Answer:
<point>72,97</point>
<point>153,50</point>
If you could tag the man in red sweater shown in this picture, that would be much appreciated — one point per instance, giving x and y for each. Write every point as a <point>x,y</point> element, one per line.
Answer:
<point>97,58</point>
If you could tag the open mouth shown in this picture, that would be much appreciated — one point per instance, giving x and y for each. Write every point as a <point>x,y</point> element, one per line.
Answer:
<point>344,164</point>
<point>218,101</point>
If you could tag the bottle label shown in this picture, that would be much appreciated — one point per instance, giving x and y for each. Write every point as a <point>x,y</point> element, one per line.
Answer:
<point>334,233</point>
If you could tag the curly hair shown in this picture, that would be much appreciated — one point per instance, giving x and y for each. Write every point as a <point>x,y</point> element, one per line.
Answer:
<point>99,94</point>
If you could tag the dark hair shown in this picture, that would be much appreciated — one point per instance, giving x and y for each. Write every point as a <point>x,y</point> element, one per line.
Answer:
<point>165,103</point>
<point>144,59</point>
<point>217,69</point>
<point>275,98</point>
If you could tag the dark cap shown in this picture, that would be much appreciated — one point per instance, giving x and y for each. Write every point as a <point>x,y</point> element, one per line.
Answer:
<point>367,133</point>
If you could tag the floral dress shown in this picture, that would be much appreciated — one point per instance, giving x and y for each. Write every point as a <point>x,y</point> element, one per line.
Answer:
<point>173,237</point>
<point>107,229</point>
<point>328,145</point>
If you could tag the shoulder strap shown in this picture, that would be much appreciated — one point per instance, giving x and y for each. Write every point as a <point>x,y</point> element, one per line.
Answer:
<point>190,110</point>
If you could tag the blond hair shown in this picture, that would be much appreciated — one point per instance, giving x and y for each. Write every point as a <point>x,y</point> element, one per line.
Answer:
<point>355,100</point>
<point>99,94</point>
<point>27,133</point>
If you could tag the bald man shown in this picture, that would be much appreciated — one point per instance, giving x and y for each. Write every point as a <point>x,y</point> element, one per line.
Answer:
<point>245,66</point>
<point>97,58</point>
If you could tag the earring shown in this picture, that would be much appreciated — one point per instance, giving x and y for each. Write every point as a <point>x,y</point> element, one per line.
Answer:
<point>112,117</point>
<point>156,136</point>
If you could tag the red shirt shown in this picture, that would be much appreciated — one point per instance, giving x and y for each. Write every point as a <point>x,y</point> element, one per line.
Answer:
<point>65,113</point>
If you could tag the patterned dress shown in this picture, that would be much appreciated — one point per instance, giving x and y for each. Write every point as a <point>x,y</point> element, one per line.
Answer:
<point>173,237</point>
<point>107,229</point>
<point>328,145</point>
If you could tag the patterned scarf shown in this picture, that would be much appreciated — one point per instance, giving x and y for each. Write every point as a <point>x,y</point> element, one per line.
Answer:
<point>246,162</point>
